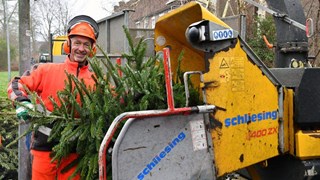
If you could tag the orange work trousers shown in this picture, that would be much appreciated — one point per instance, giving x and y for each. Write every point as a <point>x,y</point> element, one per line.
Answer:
<point>44,169</point>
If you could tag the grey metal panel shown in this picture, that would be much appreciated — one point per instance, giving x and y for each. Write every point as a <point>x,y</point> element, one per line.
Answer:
<point>237,23</point>
<point>112,37</point>
<point>304,81</point>
<point>102,39</point>
<point>294,10</point>
<point>117,35</point>
<point>292,42</point>
<point>161,148</point>
<point>307,98</point>
<point>288,77</point>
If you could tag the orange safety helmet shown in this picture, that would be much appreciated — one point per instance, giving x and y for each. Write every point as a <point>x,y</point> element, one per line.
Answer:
<point>82,26</point>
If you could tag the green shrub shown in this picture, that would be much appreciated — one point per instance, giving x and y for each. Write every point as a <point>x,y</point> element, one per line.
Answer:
<point>260,27</point>
<point>8,133</point>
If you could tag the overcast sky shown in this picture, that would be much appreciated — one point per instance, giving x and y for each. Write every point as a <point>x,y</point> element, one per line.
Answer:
<point>93,8</point>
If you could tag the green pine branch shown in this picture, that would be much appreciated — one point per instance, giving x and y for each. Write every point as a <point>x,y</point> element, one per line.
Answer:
<point>81,127</point>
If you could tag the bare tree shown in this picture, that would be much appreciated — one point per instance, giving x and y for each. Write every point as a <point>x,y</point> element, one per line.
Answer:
<point>34,25</point>
<point>62,18</point>
<point>9,27</point>
<point>108,6</point>
<point>312,10</point>
<point>51,17</point>
<point>10,13</point>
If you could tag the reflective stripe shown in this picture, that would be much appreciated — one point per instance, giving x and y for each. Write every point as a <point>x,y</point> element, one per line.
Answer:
<point>20,109</point>
<point>16,91</point>
<point>16,87</point>
<point>44,130</point>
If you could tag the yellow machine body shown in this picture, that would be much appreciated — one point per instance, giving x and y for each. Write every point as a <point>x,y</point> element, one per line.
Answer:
<point>245,128</point>
<point>57,48</point>
<point>246,132</point>
<point>170,32</point>
<point>307,144</point>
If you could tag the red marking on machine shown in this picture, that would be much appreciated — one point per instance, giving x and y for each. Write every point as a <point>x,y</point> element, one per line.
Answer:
<point>262,132</point>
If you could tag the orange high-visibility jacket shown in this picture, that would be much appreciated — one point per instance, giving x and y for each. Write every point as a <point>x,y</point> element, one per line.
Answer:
<point>47,80</point>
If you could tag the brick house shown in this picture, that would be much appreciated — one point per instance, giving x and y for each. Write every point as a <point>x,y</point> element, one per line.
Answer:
<point>146,12</point>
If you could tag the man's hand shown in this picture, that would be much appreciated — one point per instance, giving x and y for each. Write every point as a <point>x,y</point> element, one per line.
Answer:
<point>22,110</point>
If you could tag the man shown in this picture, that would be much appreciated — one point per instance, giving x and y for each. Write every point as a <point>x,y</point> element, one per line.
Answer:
<point>46,81</point>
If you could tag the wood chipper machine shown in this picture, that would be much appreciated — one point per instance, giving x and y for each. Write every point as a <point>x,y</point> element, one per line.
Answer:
<point>257,122</point>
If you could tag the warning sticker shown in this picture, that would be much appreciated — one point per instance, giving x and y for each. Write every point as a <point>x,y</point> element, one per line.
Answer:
<point>237,73</point>
<point>224,69</point>
<point>224,75</point>
<point>198,135</point>
<point>224,64</point>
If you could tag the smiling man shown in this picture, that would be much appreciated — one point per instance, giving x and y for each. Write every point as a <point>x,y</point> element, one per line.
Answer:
<point>47,80</point>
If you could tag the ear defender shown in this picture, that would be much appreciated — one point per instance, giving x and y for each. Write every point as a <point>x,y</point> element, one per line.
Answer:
<point>66,47</point>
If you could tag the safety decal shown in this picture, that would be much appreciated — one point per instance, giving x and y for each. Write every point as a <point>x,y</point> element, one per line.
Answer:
<point>224,69</point>
<point>158,157</point>
<point>224,64</point>
<point>224,75</point>
<point>237,74</point>
<point>198,135</point>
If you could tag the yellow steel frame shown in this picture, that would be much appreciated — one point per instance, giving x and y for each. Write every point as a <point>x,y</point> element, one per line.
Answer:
<point>247,131</point>
<point>307,144</point>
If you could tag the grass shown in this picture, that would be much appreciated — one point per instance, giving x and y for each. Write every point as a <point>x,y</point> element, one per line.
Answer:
<point>4,82</point>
